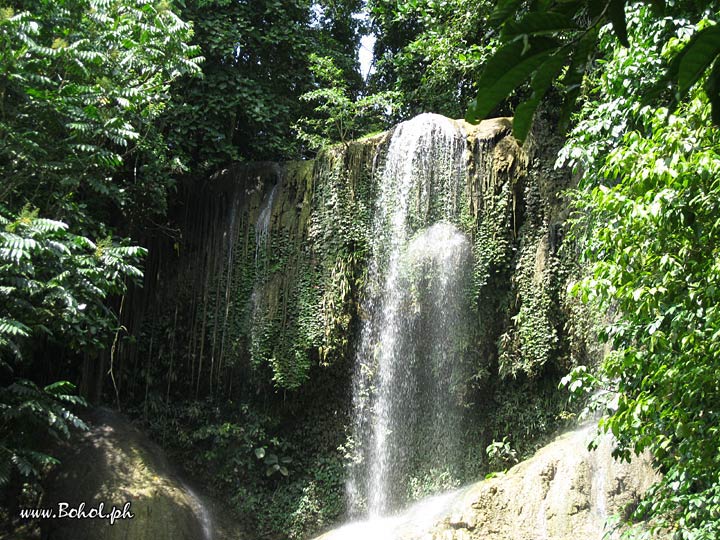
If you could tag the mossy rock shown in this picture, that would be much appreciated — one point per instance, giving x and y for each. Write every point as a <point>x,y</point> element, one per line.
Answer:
<point>114,463</point>
<point>563,492</point>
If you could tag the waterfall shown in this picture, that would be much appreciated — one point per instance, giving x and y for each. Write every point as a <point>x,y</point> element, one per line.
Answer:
<point>201,512</point>
<point>407,388</point>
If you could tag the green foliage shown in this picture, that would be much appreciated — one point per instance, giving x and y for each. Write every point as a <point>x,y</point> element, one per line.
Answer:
<point>27,410</point>
<point>294,290</point>
<point>82,86</point>
<point>273,463</point>
<point>237,445</point>
<point>52,287</point>
<point>649,216</point>
<point>426,483</point>
<point>430,52</point>
<point>557,40</point>
<point>338,117</point>
<point>257,67</point>
<point>53,283</point>
<point>501,454</point>
<point>531,342</point>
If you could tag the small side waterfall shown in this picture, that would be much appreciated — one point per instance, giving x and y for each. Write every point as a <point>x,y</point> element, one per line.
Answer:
<point>262,227</point>
<point>201,512</point>
<point>409,361</point>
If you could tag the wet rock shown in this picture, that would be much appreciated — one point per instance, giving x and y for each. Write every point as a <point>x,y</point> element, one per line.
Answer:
<point>564,492</point>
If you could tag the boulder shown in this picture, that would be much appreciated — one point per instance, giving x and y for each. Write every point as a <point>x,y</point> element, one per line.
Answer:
<point>115,465</point>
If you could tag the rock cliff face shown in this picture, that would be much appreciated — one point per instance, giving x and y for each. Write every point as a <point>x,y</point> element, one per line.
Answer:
<point>262,297</point>
<point>564,492</point>
<point>268,277</point>
<point>114,463</point>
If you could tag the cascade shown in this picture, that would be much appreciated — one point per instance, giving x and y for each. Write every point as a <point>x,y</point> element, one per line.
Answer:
<point>409,369</point>
<point>201,512</point>
<point>269,269</point>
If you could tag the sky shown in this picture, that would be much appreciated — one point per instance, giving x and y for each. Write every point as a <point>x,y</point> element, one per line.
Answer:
<point>365,54</point>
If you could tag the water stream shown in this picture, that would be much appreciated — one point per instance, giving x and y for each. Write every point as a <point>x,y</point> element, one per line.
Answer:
<point>563,492</point>
<point>262,226</point>
<point>201,512</point>
<point>409,368</point>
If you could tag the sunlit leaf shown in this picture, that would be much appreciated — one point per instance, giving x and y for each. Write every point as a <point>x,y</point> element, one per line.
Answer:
<point>507,69</point>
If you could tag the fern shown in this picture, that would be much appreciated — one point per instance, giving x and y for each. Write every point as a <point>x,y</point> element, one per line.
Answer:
<point>9,327</point>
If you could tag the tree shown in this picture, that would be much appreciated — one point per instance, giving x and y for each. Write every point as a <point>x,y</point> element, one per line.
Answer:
<point>646,212</point>
<point>257,67</point>
<point>338,117</point>
<point>430,51</point>
<point>82,84</point>
<point>81,88</point>
<point>53,285</point>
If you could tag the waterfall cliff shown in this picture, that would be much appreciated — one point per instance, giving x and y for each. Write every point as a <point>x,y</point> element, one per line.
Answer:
<point>395,305</point>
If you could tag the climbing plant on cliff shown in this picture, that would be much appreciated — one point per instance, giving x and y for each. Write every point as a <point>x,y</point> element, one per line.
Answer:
<point>647,154</point>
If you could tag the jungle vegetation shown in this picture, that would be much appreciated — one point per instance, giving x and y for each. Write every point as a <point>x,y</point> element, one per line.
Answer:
<point>109,108</point>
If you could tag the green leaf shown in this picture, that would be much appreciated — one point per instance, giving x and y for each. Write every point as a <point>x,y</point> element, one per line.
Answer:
<point>522,119</point>
<point>13,328</point>
<point>712,89</point>
<point>536,24</point>
<point>503,10</point>
<point>575,74</point>
<point>271,459</point>
<point>506,70</point>
<point>616,13</point>
<point>697,56</point>
<point>260,453</point>
<point>60,387</point>
<point>541,82</point>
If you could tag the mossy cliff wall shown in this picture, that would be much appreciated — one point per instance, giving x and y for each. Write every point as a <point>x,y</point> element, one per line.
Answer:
<point>257,298</point>
<point>277,294</point>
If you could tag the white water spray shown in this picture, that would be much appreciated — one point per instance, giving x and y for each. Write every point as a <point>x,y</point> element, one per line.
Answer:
<point>409,360</point>
<point>201,512</point>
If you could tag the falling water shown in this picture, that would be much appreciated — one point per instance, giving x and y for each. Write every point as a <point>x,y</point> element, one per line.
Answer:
<point>408,379</point>
<point>201,512</point>
<point>564,492</point>
<point>262,227</point>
